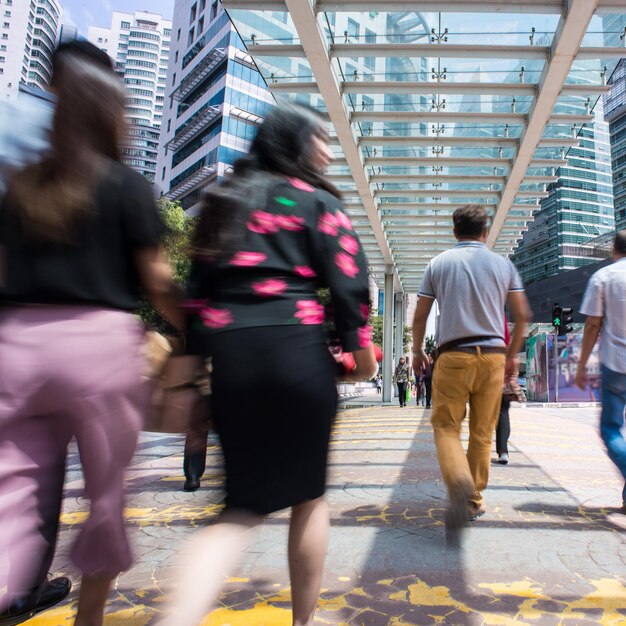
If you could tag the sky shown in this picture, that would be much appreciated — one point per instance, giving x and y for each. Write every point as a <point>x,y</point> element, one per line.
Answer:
<point>85,13</point>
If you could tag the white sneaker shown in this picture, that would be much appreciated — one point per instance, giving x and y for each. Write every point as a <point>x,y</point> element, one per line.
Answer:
<point>503,458</point>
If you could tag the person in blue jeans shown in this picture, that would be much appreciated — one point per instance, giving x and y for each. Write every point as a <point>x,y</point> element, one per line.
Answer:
<point>604,304</point>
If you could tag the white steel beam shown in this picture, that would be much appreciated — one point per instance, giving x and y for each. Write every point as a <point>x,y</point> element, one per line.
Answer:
<point>566,43</point>
<point>314,43</point>
<point>452,87</point>
<point>462,6</point>
<point>437,161</point>
<point>435,117</point>
<point>444,193</point>
<point>589,52</point>
<point>428,179</point>
<point>447,51</point>
<point>395,140</point>
<point>428,141</point>
<point>443,87</point>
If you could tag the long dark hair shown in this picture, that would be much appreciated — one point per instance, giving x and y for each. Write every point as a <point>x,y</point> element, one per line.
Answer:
<point>53,195</point>
<point>281,148</point>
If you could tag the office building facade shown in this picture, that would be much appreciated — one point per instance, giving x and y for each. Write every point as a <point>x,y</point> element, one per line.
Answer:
<point>578,210</point>
<point>139,44</point>
<point>29,32</point>
<point>615,114</point>
<point>215,100</point>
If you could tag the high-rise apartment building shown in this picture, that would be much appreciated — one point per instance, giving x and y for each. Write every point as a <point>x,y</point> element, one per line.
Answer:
<point>29,31</point>
<point>615,114</point>
<point>215,99</point>
<point>578,210</point>
<point>139,44</point>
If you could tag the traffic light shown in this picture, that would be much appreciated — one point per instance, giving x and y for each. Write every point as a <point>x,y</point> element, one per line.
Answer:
<point>566,320</point>
<point>557,320</point>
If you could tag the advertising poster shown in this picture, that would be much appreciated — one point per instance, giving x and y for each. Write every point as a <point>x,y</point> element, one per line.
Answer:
<point>536,369</point>
<point>569,348</point>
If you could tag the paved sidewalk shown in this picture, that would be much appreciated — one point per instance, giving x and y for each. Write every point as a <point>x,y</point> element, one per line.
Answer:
<point>544,554</point>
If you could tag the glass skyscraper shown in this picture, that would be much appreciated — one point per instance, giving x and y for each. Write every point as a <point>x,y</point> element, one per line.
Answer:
<point>579,208</point>
<point>615,113</point>
<point>215,99</point>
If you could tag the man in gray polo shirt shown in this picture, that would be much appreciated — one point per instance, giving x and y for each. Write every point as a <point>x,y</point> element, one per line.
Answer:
<point>604,304</point>
<point>472,286</point>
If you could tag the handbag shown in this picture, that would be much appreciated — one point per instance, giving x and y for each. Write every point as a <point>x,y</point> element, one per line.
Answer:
<point>179,385</point>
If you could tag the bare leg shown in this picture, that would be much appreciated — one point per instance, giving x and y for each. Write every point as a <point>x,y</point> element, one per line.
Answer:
<point>91,600</point>
<point>206,562</point>
<point>308,540</point>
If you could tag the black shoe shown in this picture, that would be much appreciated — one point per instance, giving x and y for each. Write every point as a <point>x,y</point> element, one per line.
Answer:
<point>192,483</point>
<point>50,593</point>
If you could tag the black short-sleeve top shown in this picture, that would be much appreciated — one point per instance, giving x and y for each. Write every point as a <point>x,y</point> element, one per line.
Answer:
<point>299,242</point>
<point>97,266</point>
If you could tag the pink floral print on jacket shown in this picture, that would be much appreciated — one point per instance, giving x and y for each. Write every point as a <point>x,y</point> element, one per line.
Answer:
<point>270,287</point>
<point>328,224</point>
<point>298,242</point>
<point>216,318</point>
<point>304,271</point>
<point>346,264</point>
<point>310,312</point>
<point>248,259</point>
<point>349,244</point>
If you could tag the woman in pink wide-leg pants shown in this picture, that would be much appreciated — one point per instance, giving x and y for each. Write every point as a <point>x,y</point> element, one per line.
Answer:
<point>79,238</point>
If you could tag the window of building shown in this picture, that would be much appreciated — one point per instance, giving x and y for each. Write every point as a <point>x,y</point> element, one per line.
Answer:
<point>2,59</point>
<point>193,12</point>
<point>174,79</point>
<point>200,25</point>
<point>5,25</point>
<point>125,25</point>
<point>7,14</point>
<point>202,5</point>
<point>353,29</point>
<point>370,36</point>
<point>214,10</point>
<point>169,125</point>
<point>167,32</point>
<point>163,174</point>
<point>176,57</point>
<point>192,32</point>
<point>178,35</point>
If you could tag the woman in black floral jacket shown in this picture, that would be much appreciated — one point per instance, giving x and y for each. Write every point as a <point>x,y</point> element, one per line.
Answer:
<point>268,239</point>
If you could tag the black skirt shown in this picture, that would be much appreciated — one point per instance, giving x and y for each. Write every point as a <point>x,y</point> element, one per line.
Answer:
<point>274,399</point>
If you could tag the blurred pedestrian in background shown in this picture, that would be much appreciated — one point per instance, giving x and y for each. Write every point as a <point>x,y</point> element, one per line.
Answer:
<point>268,239</point>
<point>401,378</point>
<point>427,380</point>
<point>511,392</point>
<point>79,236</point>
<point>604,304</point>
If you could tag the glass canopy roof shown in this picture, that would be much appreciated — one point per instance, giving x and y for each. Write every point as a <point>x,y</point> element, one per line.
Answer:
<point>433,105</point>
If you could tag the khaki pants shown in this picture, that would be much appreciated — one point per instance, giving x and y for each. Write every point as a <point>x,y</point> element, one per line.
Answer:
<point>459,377</point>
